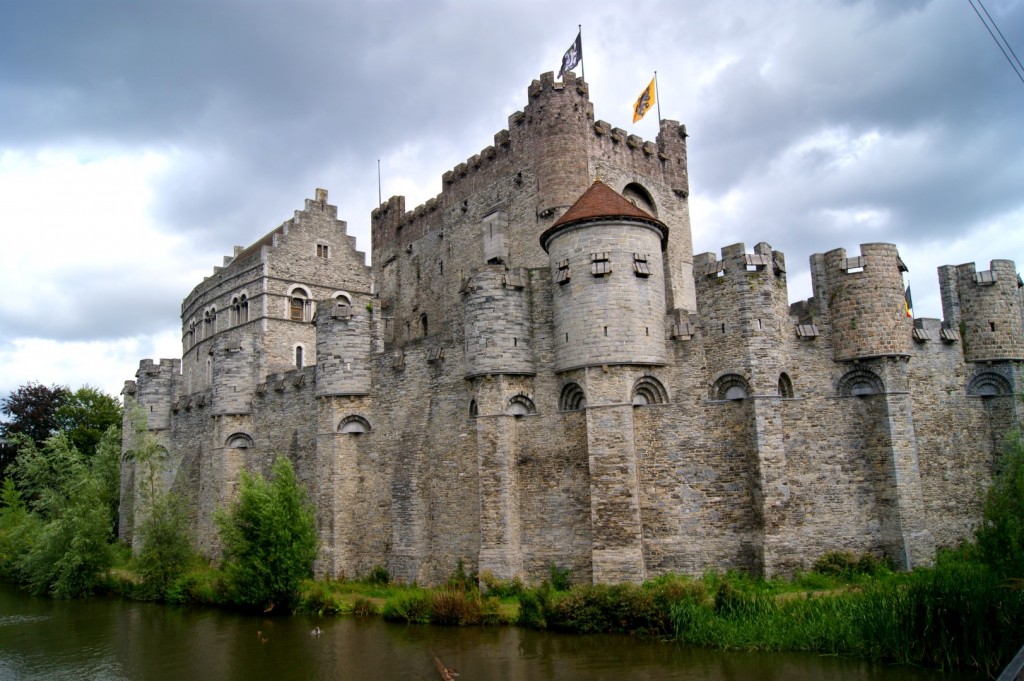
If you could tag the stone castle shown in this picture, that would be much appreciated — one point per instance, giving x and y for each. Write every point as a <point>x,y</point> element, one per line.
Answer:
<point>537,370</point>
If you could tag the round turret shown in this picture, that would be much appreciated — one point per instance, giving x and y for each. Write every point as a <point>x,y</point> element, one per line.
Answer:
<point>990,312</point>
<point>867,304</point>
<point>609,293</point>
<point>155,389</point>
<point>559,116</point>
<point>343,342</point>
<point>232,377</point>
<point>497,323</point>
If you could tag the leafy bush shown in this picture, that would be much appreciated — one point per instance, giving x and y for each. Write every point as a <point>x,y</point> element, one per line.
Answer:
<point>460,579</point>
<point>532,605</point>
<point>319,598</point>
<point>1001,534</point>
<point>455,605</point>
<point>379,576</point>
<point>846,566</point>
<point>501,588</point>
<point>270,539</point>
<point>166,551</point>
<point>411,607</point>
<point>559,578</point>
<point>363,607</point>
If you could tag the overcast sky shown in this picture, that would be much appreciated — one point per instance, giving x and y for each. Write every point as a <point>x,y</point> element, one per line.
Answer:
<point>141,141</point>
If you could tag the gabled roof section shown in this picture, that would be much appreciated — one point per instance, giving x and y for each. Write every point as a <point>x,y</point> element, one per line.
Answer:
<point>601,202</point>
<point>254,248</point>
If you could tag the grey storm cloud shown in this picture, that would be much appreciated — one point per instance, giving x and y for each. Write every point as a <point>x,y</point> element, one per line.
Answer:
<point>806,112</point>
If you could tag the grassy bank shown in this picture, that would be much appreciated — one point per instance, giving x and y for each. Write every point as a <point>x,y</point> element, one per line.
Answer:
<point>957,615</point>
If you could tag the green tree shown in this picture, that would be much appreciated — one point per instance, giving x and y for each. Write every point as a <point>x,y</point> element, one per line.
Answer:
<point>269,537</point>
<point>30,411</point>
<point>69,499</point>
<point>1001,534</point>
<point>166,550</point>
<point>85,415</point>
<point>18,529</point>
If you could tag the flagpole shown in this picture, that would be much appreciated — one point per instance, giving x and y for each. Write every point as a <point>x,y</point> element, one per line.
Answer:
<point>657,98</point>
<point>583,67</point>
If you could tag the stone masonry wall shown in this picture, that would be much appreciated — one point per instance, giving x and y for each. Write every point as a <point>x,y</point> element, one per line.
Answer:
<point>440,415</point>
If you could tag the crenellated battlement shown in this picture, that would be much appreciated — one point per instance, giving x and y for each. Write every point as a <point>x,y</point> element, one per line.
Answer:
<point>736,262</point>
<point>743,310</point>
<point>558,118</point>
<point>864,296</point>
<point>986,307</point>
<point>156,385</point>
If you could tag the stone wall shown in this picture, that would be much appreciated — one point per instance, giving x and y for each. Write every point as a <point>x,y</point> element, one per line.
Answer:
<point>693,420</point>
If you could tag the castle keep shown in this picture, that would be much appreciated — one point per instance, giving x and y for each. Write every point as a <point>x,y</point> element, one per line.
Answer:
<point>537,370</point>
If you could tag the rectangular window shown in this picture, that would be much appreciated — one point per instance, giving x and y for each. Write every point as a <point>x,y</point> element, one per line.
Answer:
<point>600,265</point>
<point>322,251</point>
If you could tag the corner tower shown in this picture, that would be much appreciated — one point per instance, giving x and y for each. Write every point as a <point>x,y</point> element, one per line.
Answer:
<point>606,257</point>
<point>609,297</point>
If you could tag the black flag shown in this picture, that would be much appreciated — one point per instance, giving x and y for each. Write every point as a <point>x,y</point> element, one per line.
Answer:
<point>573,56</point>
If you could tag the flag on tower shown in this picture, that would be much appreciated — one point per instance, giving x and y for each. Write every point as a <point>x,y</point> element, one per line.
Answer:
<point>573,56</point>
<point>644,102</point>
<point>908,302</point>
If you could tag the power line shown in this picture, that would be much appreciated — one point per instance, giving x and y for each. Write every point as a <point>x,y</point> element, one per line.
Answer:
<point>1015,64</point>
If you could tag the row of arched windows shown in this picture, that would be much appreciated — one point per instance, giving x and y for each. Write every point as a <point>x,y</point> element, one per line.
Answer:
<point>299,306</point>
<point>859,382</point>
<point>648,390</point>
<point>206,326</point>
<point>353,424</point>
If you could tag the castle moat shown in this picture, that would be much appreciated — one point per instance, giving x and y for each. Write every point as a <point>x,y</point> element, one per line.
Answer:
<point>124,640</point>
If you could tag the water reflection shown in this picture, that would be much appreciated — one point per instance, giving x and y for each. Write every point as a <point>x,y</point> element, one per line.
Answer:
<point>114,640</point>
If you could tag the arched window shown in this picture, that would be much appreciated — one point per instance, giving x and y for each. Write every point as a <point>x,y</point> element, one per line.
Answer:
<point>474,410</point>
<point>649,390</point>
<point>354,424</point>
<point>298,356</point>
<point>521,405</point>
<point>989,384</point>
<point>860,383</point>
<point>640,197</point>
<point>730,387</point>
<point>243,309</point>
<point>298,304</point>
<point>234,313</point>
<point>423,324</point>
<point>785,385</point>
<point>572,398</point>
<point>239,441</point>
<point>342,305</point>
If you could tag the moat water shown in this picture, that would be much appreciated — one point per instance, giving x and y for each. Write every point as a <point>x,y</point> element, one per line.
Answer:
<point>110,639</point>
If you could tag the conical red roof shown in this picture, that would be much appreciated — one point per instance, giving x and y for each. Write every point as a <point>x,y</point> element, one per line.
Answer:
<point>601,202</point>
